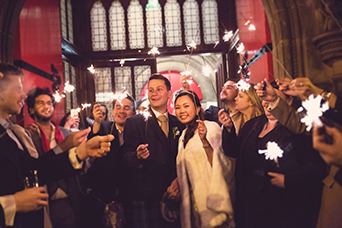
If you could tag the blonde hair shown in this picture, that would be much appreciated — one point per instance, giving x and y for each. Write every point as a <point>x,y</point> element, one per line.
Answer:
<point>258,110</point>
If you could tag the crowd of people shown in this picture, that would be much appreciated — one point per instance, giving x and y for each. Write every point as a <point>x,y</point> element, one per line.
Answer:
<point>149,168</point>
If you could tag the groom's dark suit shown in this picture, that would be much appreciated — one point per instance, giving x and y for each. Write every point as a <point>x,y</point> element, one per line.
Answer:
<point>148,179</point>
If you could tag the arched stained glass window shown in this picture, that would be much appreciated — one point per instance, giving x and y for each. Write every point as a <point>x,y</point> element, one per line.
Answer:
<point>154,24</point>
<point>141,76</point>
<point>191,22</point>
<point>70,24</point>
<point>98,27</point>
<point>135,25</point>
<point>63,19</point>
<point>123,80</point>
<point>117,26</point>
<point>210,21</point>
<point>103,84</point>
<point>173,23</point>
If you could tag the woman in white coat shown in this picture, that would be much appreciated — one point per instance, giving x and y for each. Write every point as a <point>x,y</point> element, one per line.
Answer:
<point>204,174</point>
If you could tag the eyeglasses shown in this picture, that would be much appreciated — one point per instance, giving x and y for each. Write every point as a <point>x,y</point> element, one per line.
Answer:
<point>42,103</point>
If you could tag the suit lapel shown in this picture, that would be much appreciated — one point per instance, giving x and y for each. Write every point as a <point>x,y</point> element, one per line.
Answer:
<point>10,147</point>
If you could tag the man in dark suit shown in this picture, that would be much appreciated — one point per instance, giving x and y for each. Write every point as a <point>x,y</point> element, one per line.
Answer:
<point>65,195</point>
<point>104,177</point>
<point>16,162</point>
<point>227,96</point>
<point>150,151</point>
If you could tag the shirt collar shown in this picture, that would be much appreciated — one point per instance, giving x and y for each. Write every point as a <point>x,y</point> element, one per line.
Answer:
<point>159,114</point>
<point>7,124</point>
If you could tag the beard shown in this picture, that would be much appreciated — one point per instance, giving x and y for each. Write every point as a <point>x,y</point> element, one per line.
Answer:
<point>42,118</point>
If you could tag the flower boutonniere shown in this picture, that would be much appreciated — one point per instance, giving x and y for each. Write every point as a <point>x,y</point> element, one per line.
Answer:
<point>175,132</point>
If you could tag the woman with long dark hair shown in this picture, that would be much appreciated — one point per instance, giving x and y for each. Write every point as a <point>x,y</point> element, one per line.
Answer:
<point>204,174</point>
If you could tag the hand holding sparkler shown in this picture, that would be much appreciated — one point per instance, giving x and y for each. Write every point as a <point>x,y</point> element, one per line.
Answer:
<point>31,199</point>
<point>266,91</point>
<point>273,152</point>
<point>202,130</point>
<point>143,152</point>
<point>31,128</point>
<point>98,117</point>
<point>225,119</point>
<point>184,81</point>
<point>303,87</point>
<point>74,139</point>
<point>97,146</point>
<point>331,153</point>
<point>278,179</point>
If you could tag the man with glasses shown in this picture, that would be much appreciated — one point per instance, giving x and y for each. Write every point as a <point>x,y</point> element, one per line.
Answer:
<point>65,195</point>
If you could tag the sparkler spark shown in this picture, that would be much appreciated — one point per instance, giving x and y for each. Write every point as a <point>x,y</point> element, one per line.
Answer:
<point>91,69</point>
<point>58,97</point>
<point>314,110</point>
<point>251,27</point>
<point>240,48</point>
<point>216,43</point>
<point>78,109</point>
<point>227,35</point>
<point>186,73</point>
<point>154,51</point>
<point>122,62</point>
<point>273,152</point>
<point>242,85</point>
<point>68,87</point>
<point>191,46</point>
<point>206,70</point>
<point>146,114</point>
<point>86,105</point>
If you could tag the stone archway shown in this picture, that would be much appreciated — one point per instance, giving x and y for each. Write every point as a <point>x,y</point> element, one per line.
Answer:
<point>301,41</point>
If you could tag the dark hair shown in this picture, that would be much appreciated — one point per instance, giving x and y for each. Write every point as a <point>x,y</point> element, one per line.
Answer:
<point>193,124</point>
<point>161,77</point>
<point>8,70</point>
<point>92,108</point>
<point>33,94</point>
<point>129,97</point>
<point>141,101</point>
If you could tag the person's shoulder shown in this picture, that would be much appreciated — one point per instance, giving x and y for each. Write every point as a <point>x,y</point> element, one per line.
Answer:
<point>211,124</point>
<point>212,109</point>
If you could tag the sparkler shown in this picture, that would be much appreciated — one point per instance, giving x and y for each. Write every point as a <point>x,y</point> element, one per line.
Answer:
<point>314,110</point>
<point>273,152</point>
<point>146,114</point>
<point>251,27</point>
<point>68,87</point>
<point>58,97</point>
<point>85,105</point>
<point>122,62</point>
<point>240,48</point>
<point>91,69</point>
<point>191,46</point>
<point>242,85</point>
<point>216,43</point>
<point>227,35</point>
<point>154,51</point>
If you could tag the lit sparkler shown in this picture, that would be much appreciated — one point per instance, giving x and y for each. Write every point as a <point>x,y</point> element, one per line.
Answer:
<point>122,62</point>
<point>146,114</point>
<point>314,110</point>
<point>251,27</point>
<point>58,97</point>
<point>242,85</point>
<point>191,46</point>
<point>240,48</point>
<point>206,71</point>
<point>68,87</point>
<point>273,152</point>
<point>154,51</point>
<point>85,105</point>
<point>227,35</point>
<point>91,69</point>
<point>216,43</point>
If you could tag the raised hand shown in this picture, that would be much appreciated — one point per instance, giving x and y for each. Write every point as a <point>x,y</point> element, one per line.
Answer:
<point>74,139</point>
<point>202,129</point>
<point>184,82</point>
<point>303,87</point>
<point>142,151</point>
<point>32,128</point>
<point>225,119</point>
<point>97,113</point>
<point>97,146</point>
<point>267,94</point>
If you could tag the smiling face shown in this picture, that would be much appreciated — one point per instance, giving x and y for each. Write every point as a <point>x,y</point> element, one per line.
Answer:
<point>122,110</point>
<point>242,102</point>
<point>12,97</point>
<point>185,109</point>
<point>43,108</point>
<point>228,92</point>
<point>158,95</point>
